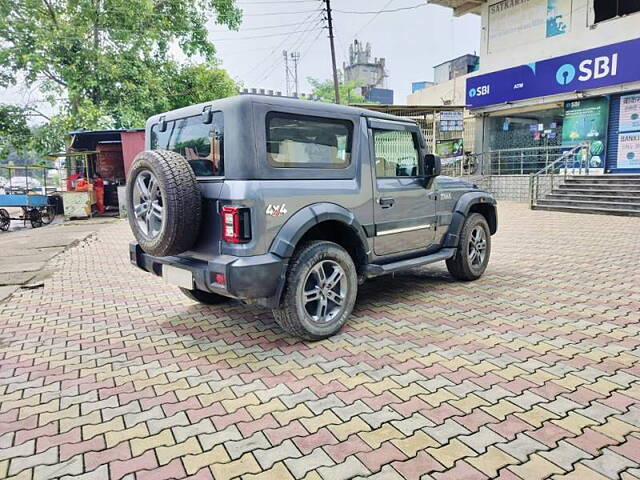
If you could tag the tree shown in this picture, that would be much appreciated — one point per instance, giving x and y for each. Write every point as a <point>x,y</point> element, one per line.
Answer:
<point>199,83</point>
<point>106,61</point>
<point>324,90</point>
<point>14,131</point>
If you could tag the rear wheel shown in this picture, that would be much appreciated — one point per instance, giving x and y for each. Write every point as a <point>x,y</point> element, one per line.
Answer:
<point>206,298</point>
<point>5,220</point>
<point>320,291</point>
<point>474,249</point>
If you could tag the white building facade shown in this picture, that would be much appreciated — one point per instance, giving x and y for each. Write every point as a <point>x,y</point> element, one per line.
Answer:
<point>553,73</point>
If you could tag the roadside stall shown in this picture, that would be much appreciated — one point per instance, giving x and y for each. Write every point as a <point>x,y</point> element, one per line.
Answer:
<point>80,188</point>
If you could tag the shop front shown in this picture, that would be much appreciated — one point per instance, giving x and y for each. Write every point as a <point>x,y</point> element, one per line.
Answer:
<point>539,111</point>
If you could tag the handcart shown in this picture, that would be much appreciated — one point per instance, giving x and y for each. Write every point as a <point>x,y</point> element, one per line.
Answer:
<point>28,194</point>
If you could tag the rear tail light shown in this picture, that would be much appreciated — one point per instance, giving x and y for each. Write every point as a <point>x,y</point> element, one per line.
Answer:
<point>236,224</point>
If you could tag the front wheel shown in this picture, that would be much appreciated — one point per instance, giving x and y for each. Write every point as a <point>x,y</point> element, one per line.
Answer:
<point>320,291</point>
<point>474,249</point>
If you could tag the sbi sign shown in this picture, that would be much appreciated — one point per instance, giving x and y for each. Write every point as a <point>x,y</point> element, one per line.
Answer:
<point>589,69</point>
<point>610,65</point>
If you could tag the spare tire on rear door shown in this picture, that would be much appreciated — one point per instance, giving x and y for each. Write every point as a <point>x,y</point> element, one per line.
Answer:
<point>164,203</point>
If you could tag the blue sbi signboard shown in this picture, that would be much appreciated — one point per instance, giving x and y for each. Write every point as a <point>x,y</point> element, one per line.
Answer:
<point>595,68</point>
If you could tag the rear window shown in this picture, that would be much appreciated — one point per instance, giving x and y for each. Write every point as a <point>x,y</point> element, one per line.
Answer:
<point>297,141</point>
<point>200,143</point>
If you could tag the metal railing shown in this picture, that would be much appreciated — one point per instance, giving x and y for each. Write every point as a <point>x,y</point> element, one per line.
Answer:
<point>465,166</point>
<point>570,162</point>
<point>512,161</point>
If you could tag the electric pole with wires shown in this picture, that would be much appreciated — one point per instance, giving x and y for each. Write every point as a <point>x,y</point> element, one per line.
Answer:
<point>336,84</point>
<point>291,75</point>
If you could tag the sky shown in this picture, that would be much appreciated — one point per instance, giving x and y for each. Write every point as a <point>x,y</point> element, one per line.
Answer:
<point>411,40</point>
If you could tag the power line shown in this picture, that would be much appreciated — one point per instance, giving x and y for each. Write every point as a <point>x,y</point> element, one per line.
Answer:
<point>278,48</point>
<point>298,44</point>
<point>269,2</point>
<point>262,36</point>
<point>377,12</point>
<point>372,19</point>
<point>267,27</point>
<point>276,13</point>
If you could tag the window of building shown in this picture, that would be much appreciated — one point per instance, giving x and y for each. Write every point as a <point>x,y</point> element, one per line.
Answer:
<point>200,143</point>
<point>308,142</point>
<point>396,153</point>
<point>608,9</point>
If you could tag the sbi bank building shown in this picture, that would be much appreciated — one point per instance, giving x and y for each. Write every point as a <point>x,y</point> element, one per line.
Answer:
<point>555,74</point>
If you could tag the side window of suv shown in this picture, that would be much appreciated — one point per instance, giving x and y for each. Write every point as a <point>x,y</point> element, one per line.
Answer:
<point>396,154</point>
<point>200,143</point>
<point>298,141</point>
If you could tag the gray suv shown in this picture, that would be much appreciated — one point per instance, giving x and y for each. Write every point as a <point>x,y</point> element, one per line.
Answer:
<point>292,204</point>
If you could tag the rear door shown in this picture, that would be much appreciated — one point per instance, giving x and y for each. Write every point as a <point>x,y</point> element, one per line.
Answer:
<point>404,209</point>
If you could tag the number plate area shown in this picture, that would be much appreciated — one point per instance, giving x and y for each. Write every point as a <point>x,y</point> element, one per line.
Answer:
<point>177,276</point>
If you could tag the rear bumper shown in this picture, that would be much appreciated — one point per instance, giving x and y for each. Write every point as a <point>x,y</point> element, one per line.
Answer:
<point>258,277</point>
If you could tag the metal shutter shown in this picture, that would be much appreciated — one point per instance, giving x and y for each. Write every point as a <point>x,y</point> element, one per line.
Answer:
<point>612,134</point>
<point>612,137</point>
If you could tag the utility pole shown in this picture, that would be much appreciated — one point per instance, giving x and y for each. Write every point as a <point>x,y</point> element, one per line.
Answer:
<point>336,85</point>
<point>295,56</point>
<point>285,54</point>
<point>291,77</point>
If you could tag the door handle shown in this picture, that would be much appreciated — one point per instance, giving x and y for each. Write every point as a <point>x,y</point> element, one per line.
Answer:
<point>386,202</point>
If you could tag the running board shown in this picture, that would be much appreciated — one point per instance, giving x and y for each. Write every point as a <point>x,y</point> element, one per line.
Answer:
<point>373,270</point>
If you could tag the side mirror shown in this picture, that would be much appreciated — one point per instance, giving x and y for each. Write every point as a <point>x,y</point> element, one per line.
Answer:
<point>162,124</point>
<point>432,165</point>
<point>207,115</point>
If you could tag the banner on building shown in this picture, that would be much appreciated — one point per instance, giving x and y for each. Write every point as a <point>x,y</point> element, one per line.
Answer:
<point>629,150</point>
<point>585,121</point>
<point>451,121</point>
<point>515,22</point>
<point>630,113</point>
<point>558,17</point>
<point>450,150</point>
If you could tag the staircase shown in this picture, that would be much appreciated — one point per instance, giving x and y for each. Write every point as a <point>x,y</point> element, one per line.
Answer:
<point>599,194</point>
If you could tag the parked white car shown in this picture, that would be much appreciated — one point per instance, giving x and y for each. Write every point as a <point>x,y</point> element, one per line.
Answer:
<point>23,185</point>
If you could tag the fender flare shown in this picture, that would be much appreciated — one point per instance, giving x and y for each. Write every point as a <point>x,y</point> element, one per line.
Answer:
<point>461,212</point>
<point>303,220</point>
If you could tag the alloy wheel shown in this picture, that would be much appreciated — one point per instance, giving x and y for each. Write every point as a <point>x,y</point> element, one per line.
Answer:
<point>324,292</point>
<point>148,208</point>
<point>477,248</point>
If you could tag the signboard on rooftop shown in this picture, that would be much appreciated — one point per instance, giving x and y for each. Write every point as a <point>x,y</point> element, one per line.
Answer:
<point>519,22</point>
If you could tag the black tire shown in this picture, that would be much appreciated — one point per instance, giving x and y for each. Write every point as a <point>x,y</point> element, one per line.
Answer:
<point>5,220</point>
<point>293,316</point>
<point>180,199</point>
<point>462,266</point>
<point>48,214</point>
<point>35,217</point>
<point>206,298</point>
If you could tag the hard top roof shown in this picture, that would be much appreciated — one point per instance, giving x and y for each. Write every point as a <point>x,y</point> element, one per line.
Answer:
<point>314,107</point>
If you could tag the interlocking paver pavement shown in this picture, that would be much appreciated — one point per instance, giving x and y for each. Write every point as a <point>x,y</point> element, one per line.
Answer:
<point>531,372</point>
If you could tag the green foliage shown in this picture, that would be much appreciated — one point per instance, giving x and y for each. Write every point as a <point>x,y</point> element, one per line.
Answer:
<point>324,90</point>
<point>14,131</point>
<point>193,84</point>
<point>108,63</point>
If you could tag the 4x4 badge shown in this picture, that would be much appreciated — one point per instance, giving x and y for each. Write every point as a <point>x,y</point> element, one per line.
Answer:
<point>277,210</point>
